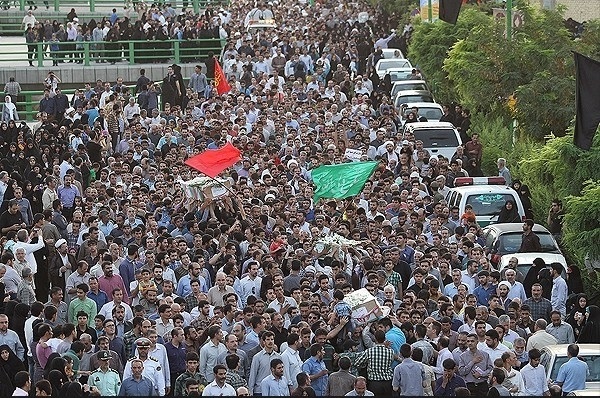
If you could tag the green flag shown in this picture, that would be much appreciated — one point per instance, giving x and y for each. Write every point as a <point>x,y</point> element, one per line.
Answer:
<point>341,180</point>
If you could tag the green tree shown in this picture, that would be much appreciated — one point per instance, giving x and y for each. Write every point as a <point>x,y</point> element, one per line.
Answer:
<point>557,170</point>
<point>582,221</point>
<point>487,69</point>
<point>590,39</point>
<point>430,43</point>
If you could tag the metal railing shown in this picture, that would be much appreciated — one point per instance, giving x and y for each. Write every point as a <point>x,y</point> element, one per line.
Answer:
<point>58,5</point>
<point>28,102</point>
<point>130,51</point>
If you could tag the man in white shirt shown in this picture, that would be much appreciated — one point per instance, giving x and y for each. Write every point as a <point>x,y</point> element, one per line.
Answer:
<point>492,345</point>
<point>218,387</point>
<point>276,80</point>
<point>28,20</point>
<point>534,376</point>
<point>23,383</point>
<point>250,284</point>
<point>516,288</point>
<point>443,354</point>
<point>540,338</point>
<point>291,360</point>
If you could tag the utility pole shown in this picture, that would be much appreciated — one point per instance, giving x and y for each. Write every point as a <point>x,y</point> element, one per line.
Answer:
<point>509,18</point>
<point>430,11</point>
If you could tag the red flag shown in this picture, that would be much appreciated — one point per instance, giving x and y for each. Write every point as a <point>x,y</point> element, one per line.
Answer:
<point>213,161</point>
<point>223,86</point>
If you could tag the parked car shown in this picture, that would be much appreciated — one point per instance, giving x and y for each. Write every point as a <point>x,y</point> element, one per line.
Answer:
<point>399,74</point>
<point>505,238</point>
<point>439,138</point>
<point>525,260</point>
<point>486,195</point>
<point>430,110</point>
<point>408,85</point>
<point>390,63</point>
<point>408,96</point>
<point>389,53</point>
<point>554,356</point>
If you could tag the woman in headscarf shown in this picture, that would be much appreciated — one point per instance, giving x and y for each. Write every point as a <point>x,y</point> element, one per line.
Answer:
<point>473,168</point>
<point>574,280</point>
<point>509,213</point>
<point>590,333</point>
<point>56,379</point>
<point>10,362</point>
<point>525,196</point>
<point>9,110</point>
<point>55,362</point>
<point>73,389</point>
<point>576,312</point>
<point>171,90</point>
<point>6,386</point>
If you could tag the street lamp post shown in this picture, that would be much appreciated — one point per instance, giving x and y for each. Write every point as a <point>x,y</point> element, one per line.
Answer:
<point>509,18</point>
<point>430,11</point>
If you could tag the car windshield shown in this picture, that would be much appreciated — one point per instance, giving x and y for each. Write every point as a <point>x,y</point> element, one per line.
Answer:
<point>490,204</point>
<point>440,138</point>
<point>405,99</point>
<point>400,75</point>
<point>431,114</point>
<point>511,242</point>
<point>408,86</point>
<point>593,362</point>
<point>392,63</point>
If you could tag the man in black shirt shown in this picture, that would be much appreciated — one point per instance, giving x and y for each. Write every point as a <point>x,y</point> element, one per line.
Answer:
<point>11,219</point>
<point>530,242</point>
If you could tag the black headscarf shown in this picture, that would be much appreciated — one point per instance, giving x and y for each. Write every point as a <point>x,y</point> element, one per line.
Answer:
<point>576,308</point>
<point>574,281</point>
<point>591,330</point>
<point>13,364</point>
<point>56,379</point>
<point>507,215</point>
<point>71,390</point>
<point>55,362</point>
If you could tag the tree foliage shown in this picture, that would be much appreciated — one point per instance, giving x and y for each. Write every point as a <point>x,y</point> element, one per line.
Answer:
<point>590,39</point>
<point>430,43</point>
<point>487,69</point>
<point>582,221</point>
<point>559,169</point>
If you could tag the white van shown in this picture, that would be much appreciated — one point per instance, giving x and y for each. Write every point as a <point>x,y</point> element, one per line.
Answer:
<point>486,195</point>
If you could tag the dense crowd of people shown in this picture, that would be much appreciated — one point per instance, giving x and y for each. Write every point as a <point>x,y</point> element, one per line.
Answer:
<point>119,281</point>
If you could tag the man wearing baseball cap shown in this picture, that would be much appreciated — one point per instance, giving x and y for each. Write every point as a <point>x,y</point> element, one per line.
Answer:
<point>151,367</point>
<point>105,379</point>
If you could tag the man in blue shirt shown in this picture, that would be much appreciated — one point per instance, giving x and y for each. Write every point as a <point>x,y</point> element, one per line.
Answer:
<point>446,385</point>
<point>394,335</point>
<point>137,385</point>
<point>315,367</point>
<point>275,384</point>
<point>572,374</point>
